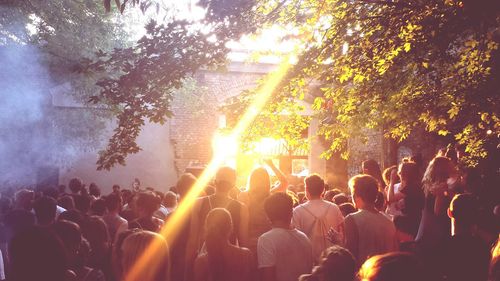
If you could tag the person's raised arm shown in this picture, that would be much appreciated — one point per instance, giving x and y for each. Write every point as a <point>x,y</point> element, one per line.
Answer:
<point>281,177</point>
<point>391,195</point>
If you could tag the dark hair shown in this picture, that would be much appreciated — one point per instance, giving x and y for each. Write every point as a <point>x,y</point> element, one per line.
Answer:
<point>82,203</point>
<point>51,192</point>
<point>45,210</point>
<point>37,254</point>
<point>95,231</point>
<point>464,209</point>
<point>225,179</point>
<point>98,207</point>
<point>371,167</point>
<point>364,187</point>
<point>66,202</point>
<point>148,202</point>
<point>279,207</point>
<point>347,208</point>
<point>340,198</point>
<point>380,201</point>
<point>329,194</point>
<point>113,202</point>
<point>70,234</point>
<point>18,220</point>
<point>184,184</point>
<point>393,266</point>
<point>116,186</point>
<point>94,190</point>
<point>72,215</point>
<point>127,195</point>
<point>75,185</point>
<point>315,185</point>
<point>335,264</point>
<point>409,172</point>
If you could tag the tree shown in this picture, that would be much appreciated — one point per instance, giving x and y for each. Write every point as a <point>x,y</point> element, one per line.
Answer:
<point>42,44</point>
<point>146,75</point>
<point>396,66</point>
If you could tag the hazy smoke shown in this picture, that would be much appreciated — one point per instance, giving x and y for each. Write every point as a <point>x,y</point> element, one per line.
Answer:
<point>24,140</point>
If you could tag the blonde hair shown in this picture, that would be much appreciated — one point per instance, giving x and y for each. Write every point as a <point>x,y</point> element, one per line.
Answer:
<point>134,248</point>
<point>438,171</point>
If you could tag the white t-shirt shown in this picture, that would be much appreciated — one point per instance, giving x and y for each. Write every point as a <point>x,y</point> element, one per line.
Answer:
<point>303,218</point>
<point>288,250</point>
<point>394,209</point>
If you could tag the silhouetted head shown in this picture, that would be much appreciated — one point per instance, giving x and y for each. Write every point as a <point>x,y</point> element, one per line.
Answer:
<point>45,210</point>
<point>279,207</point>
<point>394,266</point>
<point>218,224</point>
<point>70,234</point>
<point>94,190</point>
<point>364,189</point>
<point>36,253</point>
<point>259,183</point>
<point>170,200</point>
<point>315,186</point>
<point>439,170</point>
<point>347,208</point>
<point>184,184</point>
<point>372,168</point>
<point>113,202</point>
<point>335,264</point>
<point>225,179</point>
<point>329,194</point>
<point>464,210</point>
<point>75,185</point>
<point>98,207</point>
<point>149,245</point>
<point>147,203</point>
<point>409,173</point>
<point>66,202</point>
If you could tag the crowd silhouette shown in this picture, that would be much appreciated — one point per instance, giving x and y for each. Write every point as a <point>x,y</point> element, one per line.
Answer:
<point>409,222</point>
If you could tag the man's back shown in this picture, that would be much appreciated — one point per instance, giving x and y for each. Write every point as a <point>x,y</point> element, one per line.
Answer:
<point>306,215</point>
<point>464,257</point>
<point>369,233</point>
<point>287,250</point>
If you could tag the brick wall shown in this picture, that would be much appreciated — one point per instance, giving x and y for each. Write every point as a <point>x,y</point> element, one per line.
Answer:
<point>197,117</point>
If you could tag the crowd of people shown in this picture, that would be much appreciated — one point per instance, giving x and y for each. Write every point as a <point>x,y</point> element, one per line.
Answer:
<point>407,222</point>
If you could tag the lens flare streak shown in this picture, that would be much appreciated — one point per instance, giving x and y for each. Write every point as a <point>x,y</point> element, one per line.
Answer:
<point>170,229</point>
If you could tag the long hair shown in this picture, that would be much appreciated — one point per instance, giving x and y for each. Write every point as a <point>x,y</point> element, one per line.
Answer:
<point>408,171</point>
<point>218,226</point>
<point>438,171</point>
<point>135,247</point>
<point>259,184</point>
<point>371,167</point>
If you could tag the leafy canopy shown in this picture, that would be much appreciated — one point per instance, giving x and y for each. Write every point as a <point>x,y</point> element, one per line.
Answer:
<point>397,66</point>
<point>146,75</point>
